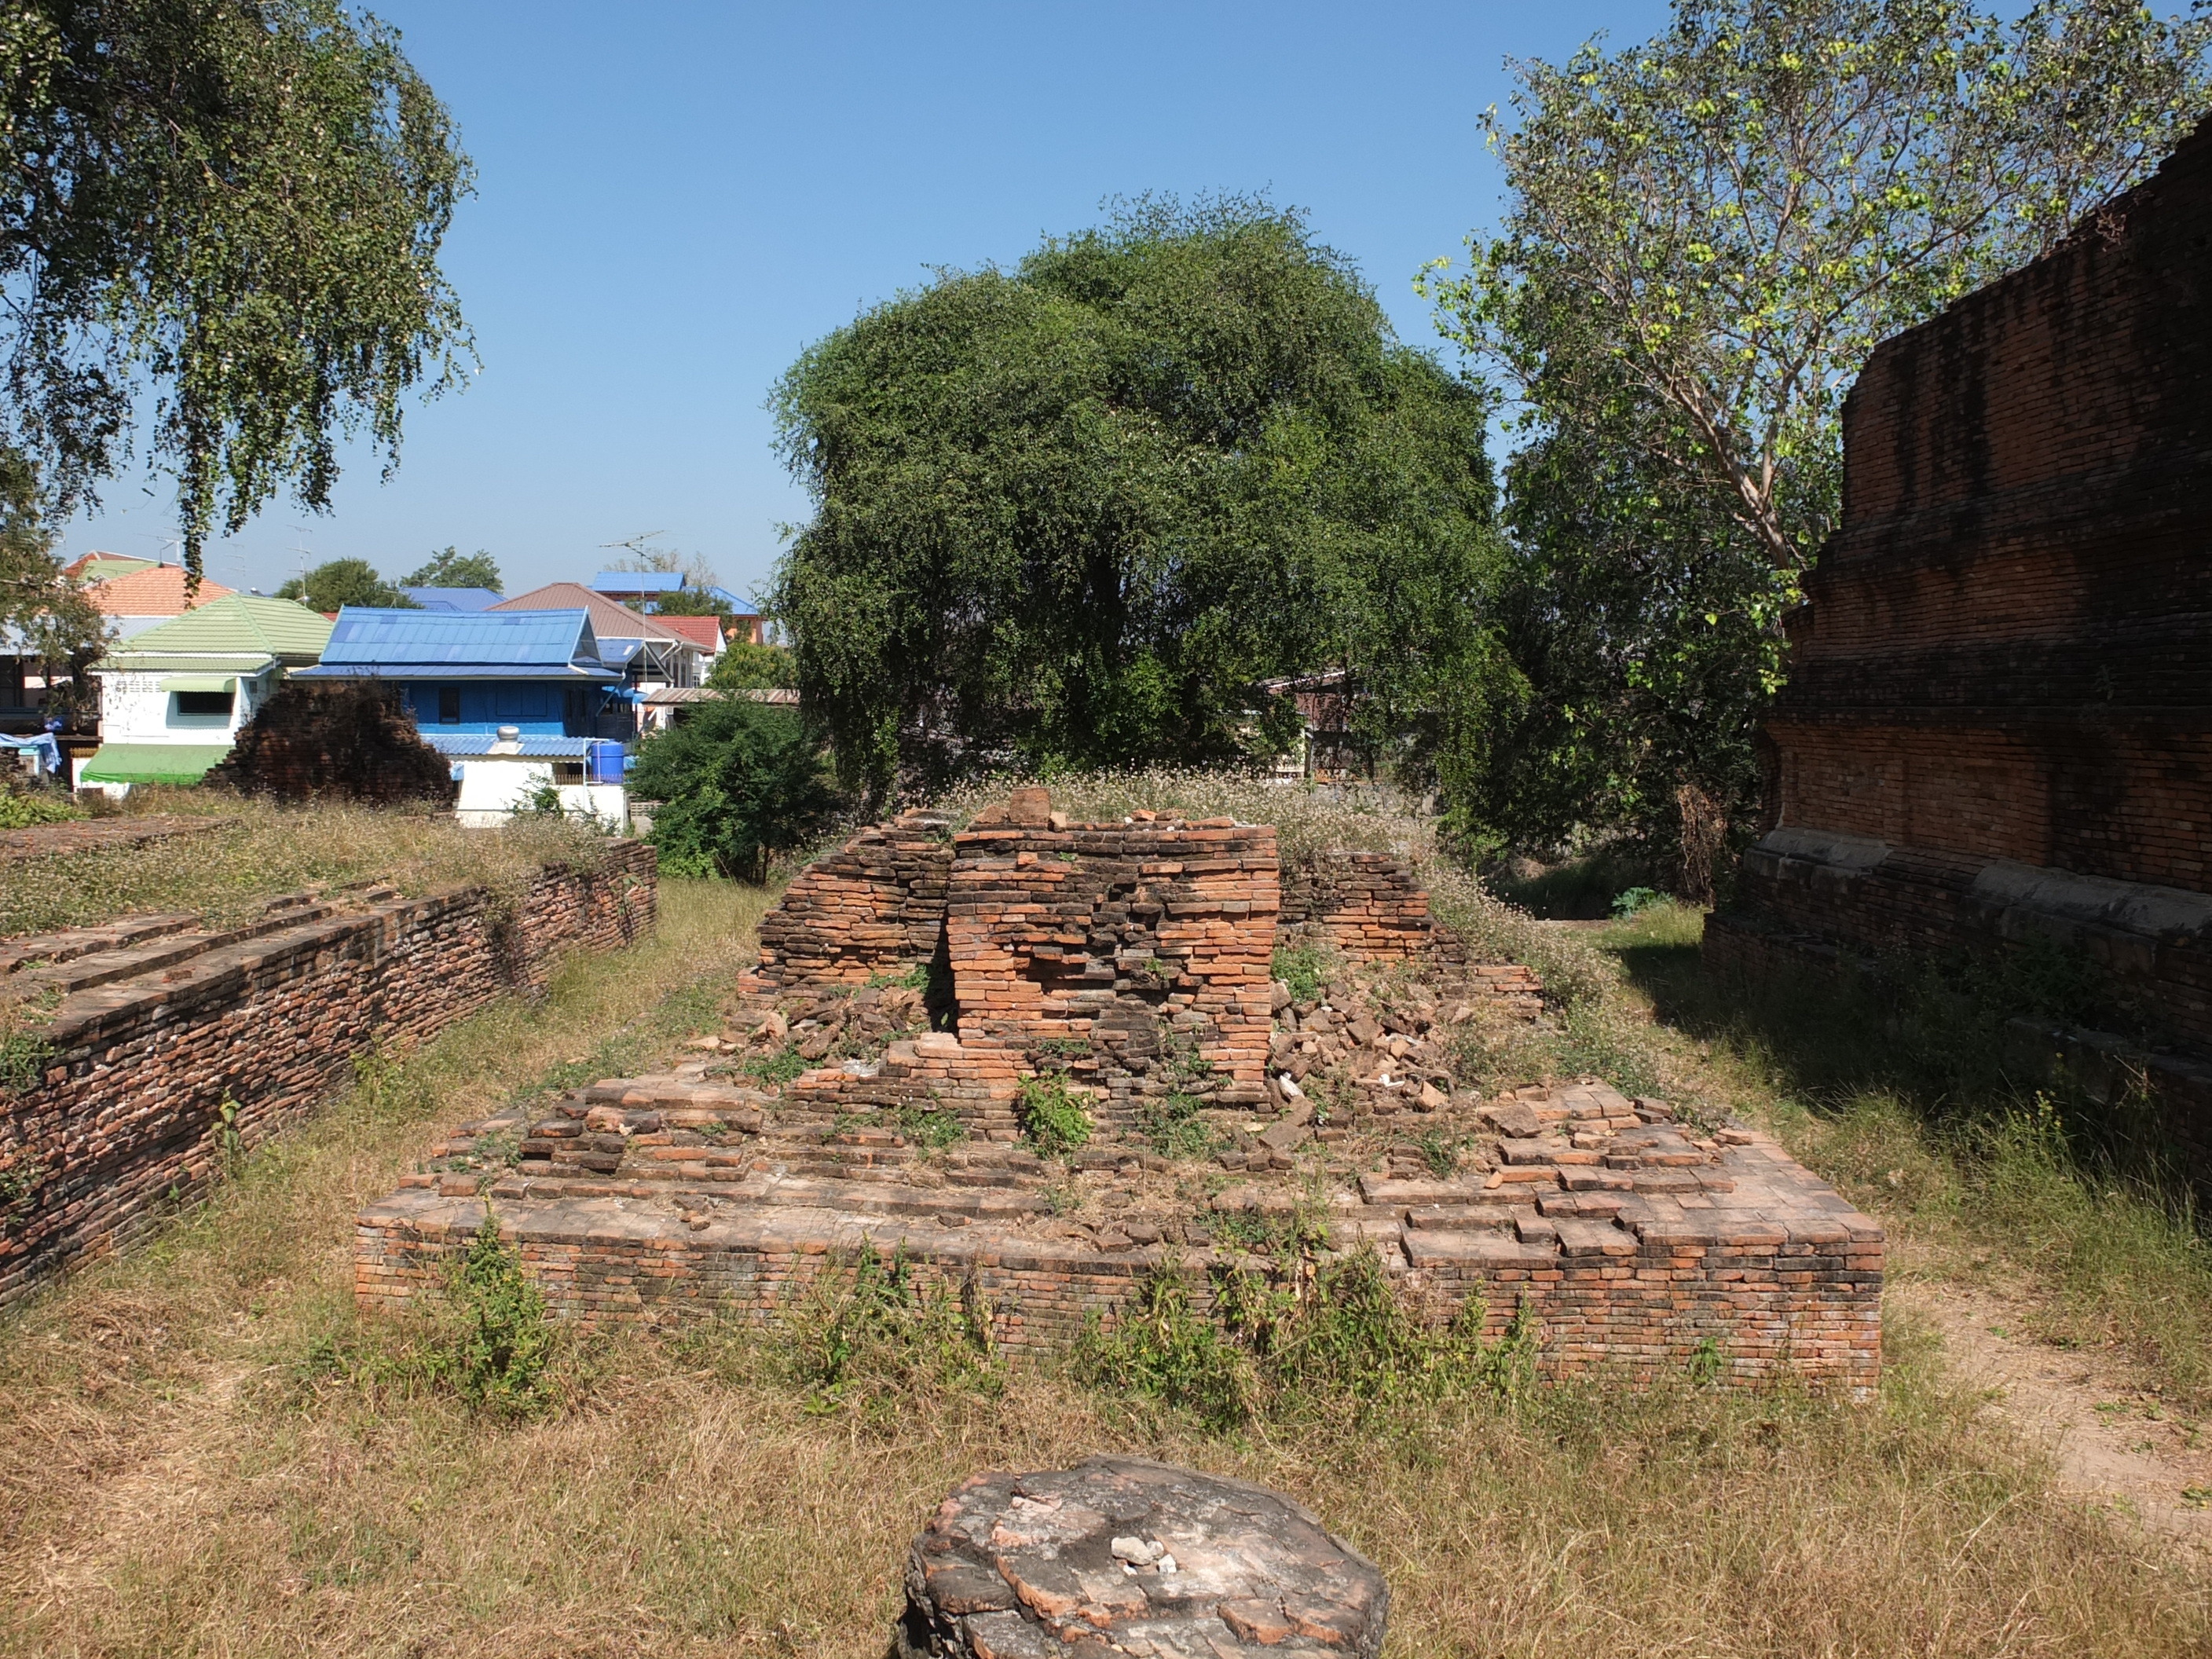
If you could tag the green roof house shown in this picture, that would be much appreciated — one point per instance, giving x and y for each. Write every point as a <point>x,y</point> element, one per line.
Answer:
<point>171,698</point>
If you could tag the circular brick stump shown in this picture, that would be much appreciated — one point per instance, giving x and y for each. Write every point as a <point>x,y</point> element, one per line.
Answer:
<point>1120,1555</point>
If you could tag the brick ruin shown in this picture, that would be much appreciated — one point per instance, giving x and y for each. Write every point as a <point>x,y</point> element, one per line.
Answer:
<point>869,1092</point>
<point>1998,721</point>
<point>167,1048</point>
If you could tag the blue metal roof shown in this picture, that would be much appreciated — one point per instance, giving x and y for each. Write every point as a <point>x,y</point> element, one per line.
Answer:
<point>453,599</point>
<point>460,745</point>
<point>638,581</point>
<point>737,606</point>
<point>433,643</point>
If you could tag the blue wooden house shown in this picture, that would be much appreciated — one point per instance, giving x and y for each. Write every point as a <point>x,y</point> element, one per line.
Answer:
<point>466,674</point>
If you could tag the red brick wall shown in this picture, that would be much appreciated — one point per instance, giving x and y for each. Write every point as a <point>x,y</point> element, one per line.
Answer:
<point>1370,902</point>
<point>2005,659</point>
<point>1071,934</point>
<point>2006,648</point>
<point>129,1113</point>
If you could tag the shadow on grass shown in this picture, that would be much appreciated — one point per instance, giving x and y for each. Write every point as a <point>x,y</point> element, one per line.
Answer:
<point>1906,1089</point>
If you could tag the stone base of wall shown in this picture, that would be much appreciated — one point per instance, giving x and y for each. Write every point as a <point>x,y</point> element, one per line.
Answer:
<point>172,1049</point>
<point>2109,1068</point>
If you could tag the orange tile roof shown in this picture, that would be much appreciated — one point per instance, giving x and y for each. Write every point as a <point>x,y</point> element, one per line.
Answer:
<point>705,632</point>
<point>159,592</point>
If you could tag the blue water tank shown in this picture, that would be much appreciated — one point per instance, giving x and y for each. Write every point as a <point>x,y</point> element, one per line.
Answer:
<point>602,762</point>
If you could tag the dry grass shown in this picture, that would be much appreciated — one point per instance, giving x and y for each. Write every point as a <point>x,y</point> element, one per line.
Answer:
<point>173,1486</point>
<point>265,850</point>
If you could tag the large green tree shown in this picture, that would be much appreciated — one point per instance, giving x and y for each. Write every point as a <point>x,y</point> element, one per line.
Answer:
<point>233,208</point>
<point>451,567</point>
<point>1082,512</point>
<point>1705,237</point>
<point>336,583</point>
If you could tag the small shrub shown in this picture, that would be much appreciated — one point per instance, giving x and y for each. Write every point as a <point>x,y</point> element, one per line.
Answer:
<point>872,1339</point>
<point>1161,1349</point>
<point>23,1061</point>
<point>1628,904</point>
<point>1303,967</point>
<point>1440,1152</point>
<point>504,1344</point>
<point>29,810</point>
<point>1053,1121</point>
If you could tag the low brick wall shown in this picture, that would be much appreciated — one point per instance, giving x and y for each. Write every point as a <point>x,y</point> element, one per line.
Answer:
<point>876,904</point>
<point>156,1032</point>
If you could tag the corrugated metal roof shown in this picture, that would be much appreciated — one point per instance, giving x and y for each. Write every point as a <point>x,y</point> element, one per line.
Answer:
<point>152,763</point>
<point>461,743</point>
<point>397,642</point>
<point>205,662</point>
<point>238,623</point>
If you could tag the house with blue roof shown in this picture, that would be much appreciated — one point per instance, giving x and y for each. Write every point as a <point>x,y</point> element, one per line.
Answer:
<point>453,599</point>
<point>517,699</point>
<point>467,674</point>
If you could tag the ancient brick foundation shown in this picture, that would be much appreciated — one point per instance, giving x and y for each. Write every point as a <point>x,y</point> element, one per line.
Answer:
<point>1998,723</point>
<point>1131,961</point>
<point>172,1049</point>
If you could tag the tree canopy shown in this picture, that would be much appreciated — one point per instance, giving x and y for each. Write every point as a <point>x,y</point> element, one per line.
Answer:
<point>235,208</point>
<point>1706,236</point>
<point>340,582</point>
<point>1082,512</point>
<point>451,567</point>
<point>739,782</point>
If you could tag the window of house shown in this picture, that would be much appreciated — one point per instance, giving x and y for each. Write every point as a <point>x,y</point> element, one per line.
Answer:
<point>203,703</point>
<point>449,705</point>
<point>568,771</point>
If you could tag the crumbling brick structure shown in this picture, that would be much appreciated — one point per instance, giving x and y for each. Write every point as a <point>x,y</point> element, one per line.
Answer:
<point>1129,964</point>
<point>1998,722</point>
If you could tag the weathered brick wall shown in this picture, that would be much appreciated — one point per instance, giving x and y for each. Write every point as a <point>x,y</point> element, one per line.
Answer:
<point>1371,904</point>
<point>1998,723</point>
<point>875,903</point>
<point>1627,1300</point>
<point>1121,937</point>
<point>129,1115</point>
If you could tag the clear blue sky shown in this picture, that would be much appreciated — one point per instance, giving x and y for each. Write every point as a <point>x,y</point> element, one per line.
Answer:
<point>673,200</point>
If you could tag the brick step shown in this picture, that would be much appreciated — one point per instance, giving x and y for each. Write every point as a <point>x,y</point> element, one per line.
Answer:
<point>75,942</point>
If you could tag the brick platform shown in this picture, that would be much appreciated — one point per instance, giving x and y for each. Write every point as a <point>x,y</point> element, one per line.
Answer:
<point>1997,726</point>
<point>1132,961</point>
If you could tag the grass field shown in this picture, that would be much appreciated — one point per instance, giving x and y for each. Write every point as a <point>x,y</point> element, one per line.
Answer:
<point>182,1471</point>
<point>261,850</point>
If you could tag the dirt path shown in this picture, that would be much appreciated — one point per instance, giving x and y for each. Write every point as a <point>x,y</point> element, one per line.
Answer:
<point>2116,1443</point>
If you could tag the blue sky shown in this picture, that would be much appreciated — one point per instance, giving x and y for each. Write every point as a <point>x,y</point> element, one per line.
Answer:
<point>673,200</point>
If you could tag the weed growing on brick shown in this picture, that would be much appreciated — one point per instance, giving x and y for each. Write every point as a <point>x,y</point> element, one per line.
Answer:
<point>1052,1120</point>
<point>1173,1124</point>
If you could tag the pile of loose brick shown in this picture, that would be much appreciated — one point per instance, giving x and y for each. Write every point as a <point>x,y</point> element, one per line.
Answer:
<point>727,1184</point>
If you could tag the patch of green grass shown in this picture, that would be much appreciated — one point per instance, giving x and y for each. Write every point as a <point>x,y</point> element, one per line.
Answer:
<point>1052,1120</point>
<point>931,1127</point>
<point>776,1069</point>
